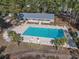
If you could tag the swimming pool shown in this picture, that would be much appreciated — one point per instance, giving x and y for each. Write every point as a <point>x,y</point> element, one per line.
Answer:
<point>44,32</point>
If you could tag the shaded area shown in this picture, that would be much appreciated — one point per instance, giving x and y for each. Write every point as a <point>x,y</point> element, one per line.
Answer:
<point>4,24</point>
<point>3,56</point>
<point>74,54</point>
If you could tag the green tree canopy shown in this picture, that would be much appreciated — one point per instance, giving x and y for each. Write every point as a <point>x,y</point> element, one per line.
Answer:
<point>15,37</point>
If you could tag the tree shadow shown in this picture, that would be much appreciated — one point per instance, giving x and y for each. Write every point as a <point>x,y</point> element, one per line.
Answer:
<point>73,55</point>
<point>2,56</point>
<point>28,57</point>
<point>2,48</point>
<point>4,24</point>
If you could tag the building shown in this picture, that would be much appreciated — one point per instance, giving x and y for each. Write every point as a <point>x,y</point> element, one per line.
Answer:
<point>37,17</point>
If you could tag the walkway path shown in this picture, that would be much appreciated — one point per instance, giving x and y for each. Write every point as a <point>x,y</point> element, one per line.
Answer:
<point>71,43</point>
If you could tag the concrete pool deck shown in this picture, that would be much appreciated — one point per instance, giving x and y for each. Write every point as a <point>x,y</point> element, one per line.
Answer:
<point>31,39</point>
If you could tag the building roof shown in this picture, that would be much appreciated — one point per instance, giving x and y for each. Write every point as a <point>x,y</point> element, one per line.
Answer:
<point>38,16</point>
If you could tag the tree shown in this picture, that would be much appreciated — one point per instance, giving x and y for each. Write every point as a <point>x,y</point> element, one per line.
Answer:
<point>55,42</point>
<point>4,24</point>
<point>15,37</point>
<point>59,42</point>
<point>77,41</point>
<point>2,55</point>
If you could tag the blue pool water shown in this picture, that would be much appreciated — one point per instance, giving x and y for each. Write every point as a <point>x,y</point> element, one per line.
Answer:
<point>44,32</point>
